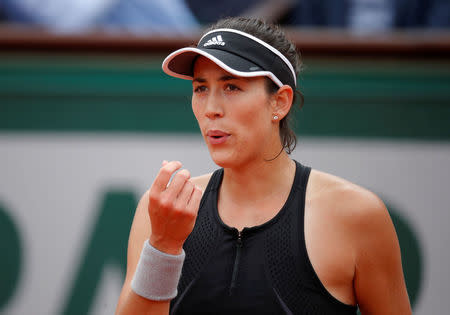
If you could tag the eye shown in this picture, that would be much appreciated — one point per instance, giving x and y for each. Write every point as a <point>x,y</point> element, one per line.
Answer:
<point>232,87</point>
<point>199,88</point>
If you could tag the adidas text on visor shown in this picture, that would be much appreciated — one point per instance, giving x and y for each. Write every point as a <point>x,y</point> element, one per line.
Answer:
<point>236,52</point>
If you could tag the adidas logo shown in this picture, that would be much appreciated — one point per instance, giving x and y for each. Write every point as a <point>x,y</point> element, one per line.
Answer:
<point>215,41</point>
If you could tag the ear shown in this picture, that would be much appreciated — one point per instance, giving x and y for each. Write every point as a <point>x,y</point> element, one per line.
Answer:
<point>282,101</point>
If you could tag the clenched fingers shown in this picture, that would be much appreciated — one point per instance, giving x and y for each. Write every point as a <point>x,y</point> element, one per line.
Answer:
<point>177,184</point>
<point>185,195</point>
<point>194,201</point>
<point>164,175</point>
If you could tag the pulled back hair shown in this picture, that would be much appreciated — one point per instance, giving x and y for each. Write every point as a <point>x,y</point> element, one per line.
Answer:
<point>274,36</point>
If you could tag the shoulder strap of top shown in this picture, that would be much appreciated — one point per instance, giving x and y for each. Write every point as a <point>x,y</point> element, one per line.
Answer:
<point>302,180</point>
<point>213,184</point>
<point>307,278</point>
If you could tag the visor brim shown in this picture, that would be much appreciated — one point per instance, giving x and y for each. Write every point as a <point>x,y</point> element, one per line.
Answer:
<point>179,64</point>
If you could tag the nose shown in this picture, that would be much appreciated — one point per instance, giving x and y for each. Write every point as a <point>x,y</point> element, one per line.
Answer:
<point>214,107</point>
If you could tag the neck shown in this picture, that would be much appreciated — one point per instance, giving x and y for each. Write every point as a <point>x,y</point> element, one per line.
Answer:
<point>258,180</point>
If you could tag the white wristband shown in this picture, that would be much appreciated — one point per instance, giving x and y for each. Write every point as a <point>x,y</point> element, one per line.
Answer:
<point>157,274</point>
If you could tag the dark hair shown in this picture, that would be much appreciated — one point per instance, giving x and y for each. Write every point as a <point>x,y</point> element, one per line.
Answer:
<point>274,36</point>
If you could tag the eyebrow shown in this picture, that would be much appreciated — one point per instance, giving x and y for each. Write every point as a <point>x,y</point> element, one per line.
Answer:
<point>228,78</point>
<point>200,80</point>
<point>222,78</point>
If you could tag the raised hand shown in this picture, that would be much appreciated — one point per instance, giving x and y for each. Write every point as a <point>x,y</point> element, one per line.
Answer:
<point>172,208</point>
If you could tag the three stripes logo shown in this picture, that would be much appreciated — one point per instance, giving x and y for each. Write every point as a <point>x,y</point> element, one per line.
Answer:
<point>215,41</point>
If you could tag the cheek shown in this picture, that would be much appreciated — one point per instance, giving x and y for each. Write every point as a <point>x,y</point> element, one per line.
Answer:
<point>196,107</point>
<point>255,121</point>
<point>257,111</point>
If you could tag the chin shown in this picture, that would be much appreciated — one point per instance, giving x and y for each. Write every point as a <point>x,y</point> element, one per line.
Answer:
<point>230,158</point>
<point>224,158</point>
<point>221,160</point>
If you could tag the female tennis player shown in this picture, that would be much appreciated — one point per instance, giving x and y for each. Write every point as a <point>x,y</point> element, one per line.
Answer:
<point>263,234</point>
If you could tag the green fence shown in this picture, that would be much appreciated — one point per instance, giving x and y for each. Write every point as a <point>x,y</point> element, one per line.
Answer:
<point>343,97</point>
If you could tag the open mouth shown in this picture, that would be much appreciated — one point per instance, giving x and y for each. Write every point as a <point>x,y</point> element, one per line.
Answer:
<point>217,136</point>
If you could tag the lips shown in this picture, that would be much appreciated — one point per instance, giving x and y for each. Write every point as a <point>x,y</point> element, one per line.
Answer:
<point>217,136</point>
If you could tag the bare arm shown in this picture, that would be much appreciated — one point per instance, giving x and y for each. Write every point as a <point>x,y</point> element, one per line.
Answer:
<point>165,216</point>
<point>379,283</point>
<point>130,302</point>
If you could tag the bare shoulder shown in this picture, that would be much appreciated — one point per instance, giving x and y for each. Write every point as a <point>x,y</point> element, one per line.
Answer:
<point>357,220</point>
<point>357,216</point>
<point>348,198</point>
<point>201,181</point>
<point>351,206</point>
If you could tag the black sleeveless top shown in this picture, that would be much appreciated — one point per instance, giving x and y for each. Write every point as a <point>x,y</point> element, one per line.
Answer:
<point>263,269</point>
